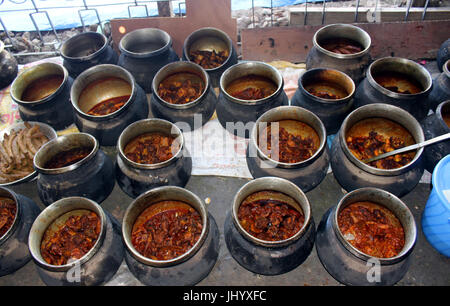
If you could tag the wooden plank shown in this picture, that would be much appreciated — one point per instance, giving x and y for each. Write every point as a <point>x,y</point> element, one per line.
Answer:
<point>413,40</point>
<point>365,14</point>
<point>199,14</point>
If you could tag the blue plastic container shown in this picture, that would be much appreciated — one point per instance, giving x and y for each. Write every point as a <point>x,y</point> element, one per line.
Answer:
<point>436,216</point>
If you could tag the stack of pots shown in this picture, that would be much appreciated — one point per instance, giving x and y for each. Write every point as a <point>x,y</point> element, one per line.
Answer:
<point>144,52</point>
<point>354,65</point>
<point>238,116</point>
<point>441,87</point>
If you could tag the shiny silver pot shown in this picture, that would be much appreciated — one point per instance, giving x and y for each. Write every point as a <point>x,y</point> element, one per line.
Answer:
<point>14,252</point>
<point>107,128</point>
<point>54,109</point>
<point>441,87</point>
<point>184,270</point>
<point>144,52</point>
<point>97,266</point>
<point>204,106</point>
<point>351,173</point>
<point>369,91</point>
<point>433,126</point>
<point>134,178</point>
<point>238,116</point>
<point>269,257</point>
<point>209,39</point>
<point>354,65</point>
<point>92,177</point>
<point>305,174</point>
<point>8,67</point>
<point>86,50</point>
<point>350,266</point>
<point>331,111</point>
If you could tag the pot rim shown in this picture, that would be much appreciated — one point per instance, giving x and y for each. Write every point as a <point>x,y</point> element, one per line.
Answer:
<point>324,100</point>
<point>58,141</point>
<point>88,57</point>
<point>271,183</point>
<point>389,199</point>
<point>246,66</point>
<point>11,195</point>
<point>60,208</point>
<point>225,37</point>
<point>2,46</point>
<point>146,32</point>
<point>186,64</point>
<point>446,68</point>
<point>98,69</point>
<point>30,70</point>
<point>343,56</point>
<point>439,110</point>
<point>401,61</point>
<point>121,145</point>
<point>389,112</point>
<point>299,111</point>
<point>127,224</point>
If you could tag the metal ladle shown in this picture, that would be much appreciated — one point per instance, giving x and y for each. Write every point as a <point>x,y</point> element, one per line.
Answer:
<point>408,148</point>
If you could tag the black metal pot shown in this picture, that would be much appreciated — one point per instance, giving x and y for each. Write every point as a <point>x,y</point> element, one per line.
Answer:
<point>238,116</point>
<point>269,257</point>
<point>209,39</point>
<point>55,109</point>
<point>354,65</point>
<point>443,54</point>
<point>144,52</point>
<point>14,252</point>
<point>351,173</point>
<point>134,178</point>
<point>92,177</point>
<point>8,67</point>
<point>369,91</point>
<point>86,50</point>
<point>331,111</point>
<point>107,128</point>
<point>97,266</point>
<point>204,106</point>
<point>441,87</point>
<point>184,270</point>
<point>306,174</point>
<point>350,266</point>
<point>433,126</point>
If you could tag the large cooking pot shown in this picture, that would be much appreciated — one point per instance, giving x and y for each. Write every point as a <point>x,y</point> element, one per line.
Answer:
<point>237,115</point>
<point>441,87</point>
<point>14,252</point>
<point>328,93</point>
<point>135,178</point>
<point>353,64</point>
<point>95,267</point>
<point>306,174</point>
<point>352,173</point>
<point>8,67</point>
<point>100,84</point>
<point>434,125</point>
<point>210,39</point>
<point>86,50</point>
<point>185,113</point>
<point>144,52</point>
<point>410,83</point>
<point>42,93</point>
<point>349,265</point>
<point>91,177</point>
<point>264,256</point>
<point>186,269</point>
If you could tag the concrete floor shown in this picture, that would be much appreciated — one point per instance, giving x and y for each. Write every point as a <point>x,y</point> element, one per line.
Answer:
<point>428,267</point>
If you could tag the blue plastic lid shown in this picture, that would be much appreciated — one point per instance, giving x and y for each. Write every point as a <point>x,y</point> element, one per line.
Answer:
<point>441,180</point>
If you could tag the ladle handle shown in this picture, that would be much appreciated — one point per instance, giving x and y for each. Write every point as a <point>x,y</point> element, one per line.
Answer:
<point>409,148</point>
